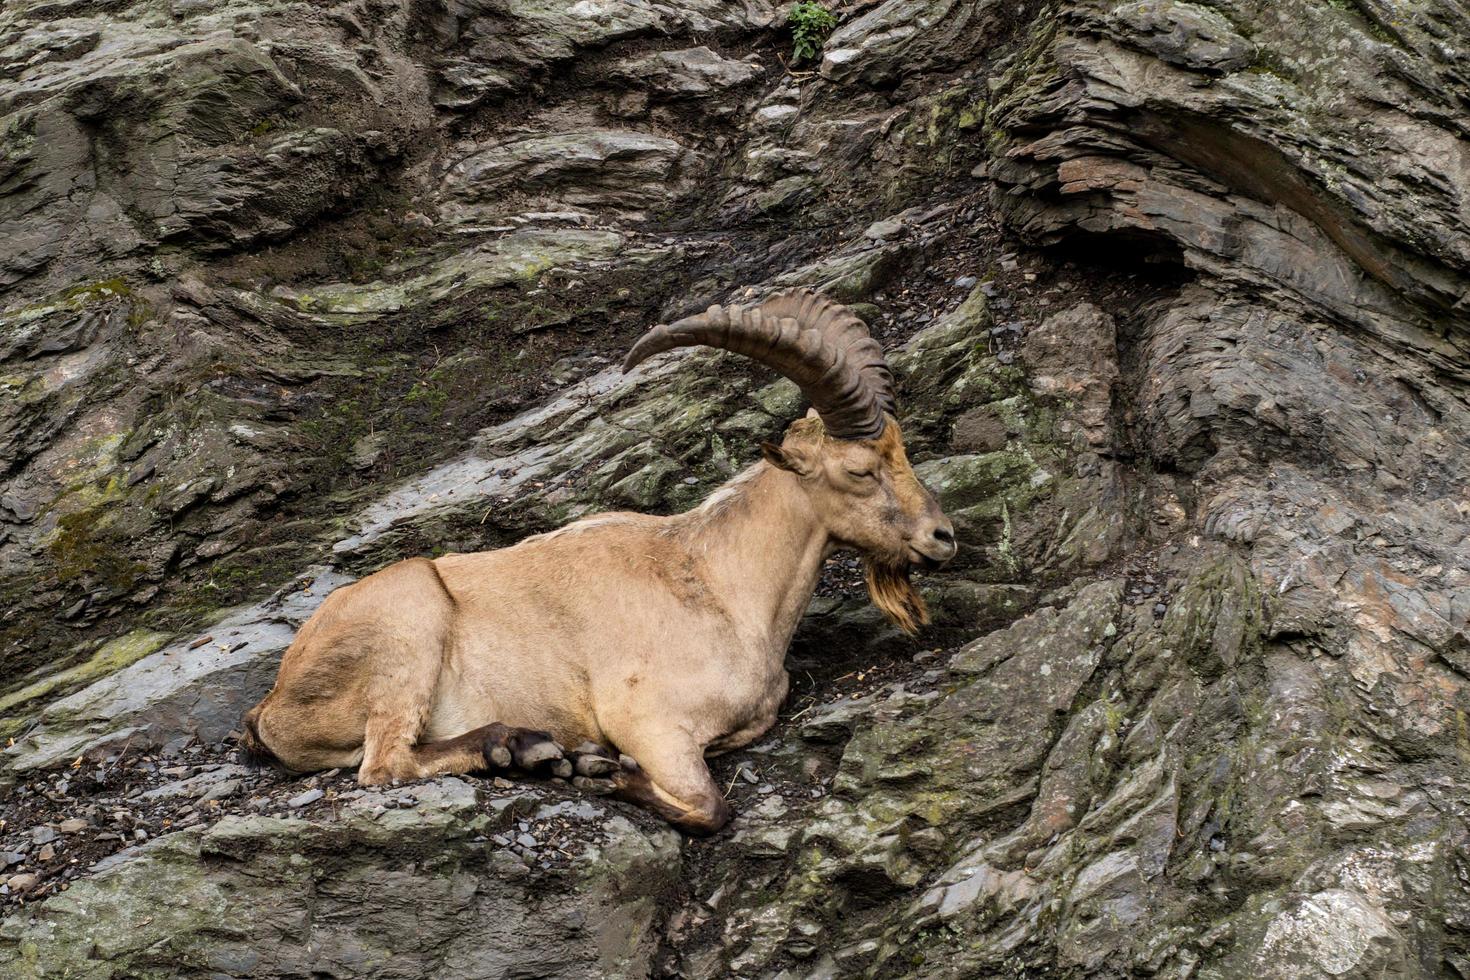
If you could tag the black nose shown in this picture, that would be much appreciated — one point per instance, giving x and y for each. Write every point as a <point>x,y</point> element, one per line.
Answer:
<point>944,534</point>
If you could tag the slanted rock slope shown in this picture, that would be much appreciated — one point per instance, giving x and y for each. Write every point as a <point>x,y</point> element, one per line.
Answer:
<point>1178,295</point>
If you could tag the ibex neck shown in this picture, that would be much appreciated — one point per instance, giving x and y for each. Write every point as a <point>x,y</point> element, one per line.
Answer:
<point>764,548</point>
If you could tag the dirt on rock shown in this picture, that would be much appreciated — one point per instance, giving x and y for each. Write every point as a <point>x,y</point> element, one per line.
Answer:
<point>1175,296</point>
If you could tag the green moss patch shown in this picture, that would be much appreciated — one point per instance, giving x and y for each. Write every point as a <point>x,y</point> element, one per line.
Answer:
<point>113,656</point>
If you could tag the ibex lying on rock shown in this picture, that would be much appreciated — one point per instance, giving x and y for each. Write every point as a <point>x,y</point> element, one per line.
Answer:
<point>655,639</point>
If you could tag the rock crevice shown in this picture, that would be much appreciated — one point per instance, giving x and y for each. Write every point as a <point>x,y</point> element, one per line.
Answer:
<point>1178,299</point>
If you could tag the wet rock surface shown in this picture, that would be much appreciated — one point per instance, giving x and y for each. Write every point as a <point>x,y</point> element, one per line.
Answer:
<point>1179,300</point>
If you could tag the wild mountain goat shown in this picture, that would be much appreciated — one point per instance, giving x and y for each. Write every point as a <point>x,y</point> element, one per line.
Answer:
<point>655,639</point>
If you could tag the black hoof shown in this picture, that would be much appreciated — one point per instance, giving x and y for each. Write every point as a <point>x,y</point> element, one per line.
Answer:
<point>534,749</point>
<point>600,771</point>
<point>594,761</point>
<point>596,766</point>
<point>496,747</point>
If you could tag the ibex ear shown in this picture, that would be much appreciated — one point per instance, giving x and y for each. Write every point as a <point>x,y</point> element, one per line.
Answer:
<point>791,460</point>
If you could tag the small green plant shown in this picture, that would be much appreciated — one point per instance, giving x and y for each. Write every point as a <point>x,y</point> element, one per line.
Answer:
<point>810,25</point>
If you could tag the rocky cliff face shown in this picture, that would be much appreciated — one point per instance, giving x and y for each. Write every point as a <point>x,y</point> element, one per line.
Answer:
<point>1179,297</point>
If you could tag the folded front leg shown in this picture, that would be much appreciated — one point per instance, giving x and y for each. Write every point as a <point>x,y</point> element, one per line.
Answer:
<point>668,777</point>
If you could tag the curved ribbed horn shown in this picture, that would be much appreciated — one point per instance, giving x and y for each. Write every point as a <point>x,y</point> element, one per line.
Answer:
<point>818,343</point>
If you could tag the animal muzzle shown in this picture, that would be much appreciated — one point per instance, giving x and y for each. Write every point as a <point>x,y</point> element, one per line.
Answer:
<point>933,546</point>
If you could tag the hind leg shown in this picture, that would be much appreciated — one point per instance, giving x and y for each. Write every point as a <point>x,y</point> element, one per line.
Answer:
<point>357,685</point>
<point>398,700</point>
<point>294,736</point>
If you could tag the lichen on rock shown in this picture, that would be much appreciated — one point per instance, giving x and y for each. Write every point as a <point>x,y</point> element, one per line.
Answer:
<point>1176,297</point>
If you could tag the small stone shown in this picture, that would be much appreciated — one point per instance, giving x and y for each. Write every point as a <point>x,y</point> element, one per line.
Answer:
<point>220,790</point>
<point>690,481</point>
<point>367,449</point>
<point>966,282</point>
<point>748,774</point>
<point>527,841</point>
<point>305,799</point>
<point>176,747</point>
<point>773,115</point>
<point>1160,609</point>
<point>46,853</point>
<point>888,228</point>
<point>7,858</point>
<point>22,882</point>
<point>73,826</point>
<point>43,835</point>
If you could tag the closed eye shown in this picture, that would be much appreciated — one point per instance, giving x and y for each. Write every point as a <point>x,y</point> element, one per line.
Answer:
<point>860,474</point>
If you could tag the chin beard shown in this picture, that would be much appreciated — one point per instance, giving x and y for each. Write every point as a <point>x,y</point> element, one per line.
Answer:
<point>892,592</point>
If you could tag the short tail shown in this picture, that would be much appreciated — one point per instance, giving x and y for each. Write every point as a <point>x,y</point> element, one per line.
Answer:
<point>253,751</point>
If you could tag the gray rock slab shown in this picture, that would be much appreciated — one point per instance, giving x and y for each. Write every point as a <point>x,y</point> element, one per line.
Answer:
<point>275,896</point>
<point>180,689</point>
